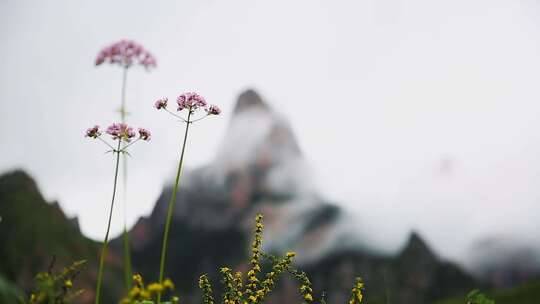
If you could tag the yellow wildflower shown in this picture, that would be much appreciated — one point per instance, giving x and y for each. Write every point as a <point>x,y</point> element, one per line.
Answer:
<point>145,295</point>
<point>137,278</point>
<point>168,284</point>
<point>134,291</point>
<point>155,287</point>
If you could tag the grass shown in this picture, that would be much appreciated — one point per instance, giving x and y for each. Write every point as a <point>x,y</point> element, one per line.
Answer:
<point>528,293</point>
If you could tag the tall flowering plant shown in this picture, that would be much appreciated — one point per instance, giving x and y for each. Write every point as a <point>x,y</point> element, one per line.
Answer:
<point>123,137</point>
<point>126,54</point>
<point>195,108</point>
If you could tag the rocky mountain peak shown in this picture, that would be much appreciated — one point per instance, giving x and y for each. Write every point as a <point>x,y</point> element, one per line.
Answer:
<point>18,180</point>
<point>417,248</point>
<point>249,99</point>
<point>256,135</point>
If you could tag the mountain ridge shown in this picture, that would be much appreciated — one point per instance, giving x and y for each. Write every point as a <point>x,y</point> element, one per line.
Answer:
<point>33,232</point>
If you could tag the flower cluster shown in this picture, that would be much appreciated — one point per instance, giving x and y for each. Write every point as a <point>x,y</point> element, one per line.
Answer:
<point>206,288</point>
<point>141,292</point>
<point>306,289</point>
<point>255,292</point>
<point>56,287</point>
<point>126,53</point>
<point>270,281</point>
<point>144,134</point>
<point>119,131</point>
<point>356,292</point>
<point>232,293</point>
<point>161,103</point>
<point>213,110</point>
<point>93,132</point>
<point>253,282</point>
<point>190,101</point>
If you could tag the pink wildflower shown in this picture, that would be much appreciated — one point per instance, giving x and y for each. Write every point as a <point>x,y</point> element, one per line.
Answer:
<point>126,53</point>
<point>213,110</point>
<point>161,103</point>
<point>190,101</point>
<point>93,132</point>
<point>121,131</point>
<point>144,134</point>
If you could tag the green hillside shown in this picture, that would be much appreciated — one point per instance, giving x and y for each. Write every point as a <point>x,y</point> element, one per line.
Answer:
<point>525,294</point>
<point>32,231</point>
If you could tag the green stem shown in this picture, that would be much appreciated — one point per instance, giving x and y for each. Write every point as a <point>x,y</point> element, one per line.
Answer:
<point>171,207</point>
<point>127,260</point>
<point>125,235</point>
<point>105,242</point>
<point>123,112</point>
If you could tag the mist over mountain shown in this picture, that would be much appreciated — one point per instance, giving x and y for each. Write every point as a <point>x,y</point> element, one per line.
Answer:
<point>505,260</point>
<point>259,167</point>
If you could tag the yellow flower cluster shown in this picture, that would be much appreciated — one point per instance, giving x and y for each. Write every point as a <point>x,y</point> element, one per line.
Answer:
<point>233,286</point>
<point>270,281</point>
<point>356,292</point>
<point>239,283</point>
<point>253,282</point>
<point>44,297</point>
<point>206,288</point>
<point>56,287</point>
<point>306,289</point>
<point>141,292</point>
<point>255,291</point>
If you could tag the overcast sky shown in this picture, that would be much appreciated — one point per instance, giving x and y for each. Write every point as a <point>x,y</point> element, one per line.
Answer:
<point>415,114</point>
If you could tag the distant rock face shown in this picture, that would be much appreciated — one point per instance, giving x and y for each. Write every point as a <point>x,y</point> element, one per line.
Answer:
<point>505,261</point>
<point>259,167</point>
<point>249,100</point>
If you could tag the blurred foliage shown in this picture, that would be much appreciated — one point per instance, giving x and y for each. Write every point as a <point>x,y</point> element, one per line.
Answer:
<point>525,294</point>
<point>141,293</point>
<point>9,293</point>
<point>476,297</point>
<point>56,288</point>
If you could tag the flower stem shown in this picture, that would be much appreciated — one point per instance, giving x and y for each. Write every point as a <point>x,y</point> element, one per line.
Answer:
<point>105,242</point>
<point>123,111</point>
<point>171,207</point>
<point>127,259</point>
<point>177,116</point>
<point>125,234</point>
